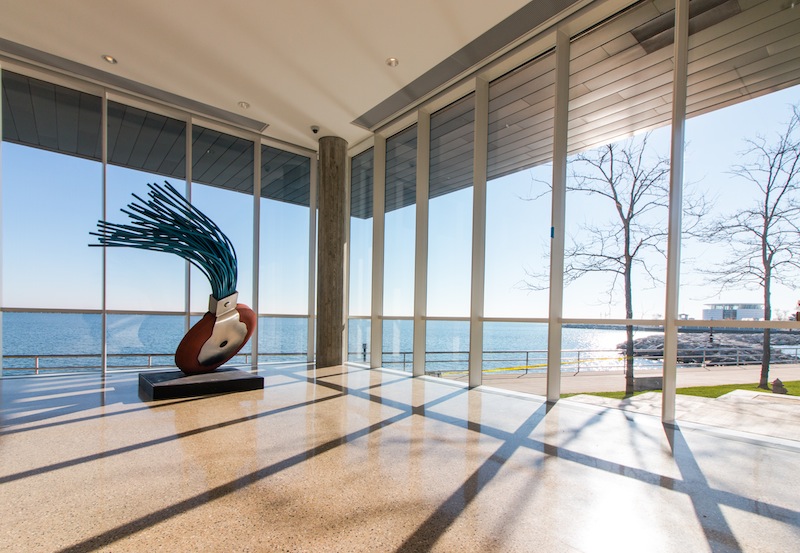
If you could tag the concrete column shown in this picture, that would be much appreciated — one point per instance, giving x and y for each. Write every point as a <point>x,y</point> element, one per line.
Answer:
<point>331,250</point>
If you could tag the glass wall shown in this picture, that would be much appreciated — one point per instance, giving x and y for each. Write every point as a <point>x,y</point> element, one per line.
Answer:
<point>518,198</point>
<point>515,356</point>
<point>52,177</point>
<point>143,148</point>
<point>360,294</point>
<point>138,340</point>
<point>618,173</point>
<point>283,257</point>
<point>722,268</point>
<point>737,265</point>
<point>619,109</point>
<point>618,188</point>
<point>518,191</point>
<point>141,280</point>
<point>52,186</point>
<point>222,188</point>
<point>51,199</point>
<point>42,342</point>
<point>450,235</point>
<point>399,240</point>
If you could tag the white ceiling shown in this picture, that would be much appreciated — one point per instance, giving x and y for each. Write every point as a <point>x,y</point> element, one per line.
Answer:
<point>296,62</point>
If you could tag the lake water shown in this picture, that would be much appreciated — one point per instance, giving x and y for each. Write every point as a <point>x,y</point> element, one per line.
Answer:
<point>132,338</point>
<point>506,345</point>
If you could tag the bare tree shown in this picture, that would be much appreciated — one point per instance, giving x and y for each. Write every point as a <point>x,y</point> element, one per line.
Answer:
<point>634,182</point>
<point>762,240</point>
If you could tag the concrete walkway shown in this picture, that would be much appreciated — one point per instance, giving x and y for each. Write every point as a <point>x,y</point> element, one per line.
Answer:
<point>763,413</point>
<point>614,381</point>
<point>758,413</point>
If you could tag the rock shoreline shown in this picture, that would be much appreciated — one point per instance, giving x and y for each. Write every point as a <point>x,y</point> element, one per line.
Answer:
<point>717,348</point>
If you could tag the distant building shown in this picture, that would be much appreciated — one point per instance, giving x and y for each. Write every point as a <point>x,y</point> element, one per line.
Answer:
<point>734,311</point>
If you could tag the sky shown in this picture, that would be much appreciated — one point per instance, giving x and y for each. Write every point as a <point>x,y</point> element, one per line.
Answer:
<point>51,202</point>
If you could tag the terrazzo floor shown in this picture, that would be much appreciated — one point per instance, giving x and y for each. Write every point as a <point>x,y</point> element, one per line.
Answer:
<point>348,459</point>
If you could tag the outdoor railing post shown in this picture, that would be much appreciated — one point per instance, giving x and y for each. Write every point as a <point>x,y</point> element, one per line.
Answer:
<point>36,364</point>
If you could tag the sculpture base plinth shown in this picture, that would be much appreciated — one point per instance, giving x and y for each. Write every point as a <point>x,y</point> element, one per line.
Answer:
<point>175,384</point>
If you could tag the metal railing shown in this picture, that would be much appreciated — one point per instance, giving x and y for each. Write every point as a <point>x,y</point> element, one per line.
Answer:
<point>516,361</point>
<point>535,361</point>
<point>71,362</point>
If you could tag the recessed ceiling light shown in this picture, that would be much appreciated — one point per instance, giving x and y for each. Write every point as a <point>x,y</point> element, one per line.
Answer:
<point>392,62</point>
<point>110,59</point>
<point>244,105</point>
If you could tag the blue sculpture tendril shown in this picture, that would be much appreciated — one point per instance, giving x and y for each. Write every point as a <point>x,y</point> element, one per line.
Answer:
<point>167,222</point>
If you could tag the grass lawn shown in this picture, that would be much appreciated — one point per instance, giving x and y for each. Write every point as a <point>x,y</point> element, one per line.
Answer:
<point>704,391</point>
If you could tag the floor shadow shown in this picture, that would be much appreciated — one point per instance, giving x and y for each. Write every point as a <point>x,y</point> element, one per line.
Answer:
<point>158,441</point>
<point>429,532</point>
<point>705,500</point>
<point>103,540</point>
<point>96,392</point>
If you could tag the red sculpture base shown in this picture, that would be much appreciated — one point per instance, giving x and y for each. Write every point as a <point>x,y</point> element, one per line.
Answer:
<point>202,351</point>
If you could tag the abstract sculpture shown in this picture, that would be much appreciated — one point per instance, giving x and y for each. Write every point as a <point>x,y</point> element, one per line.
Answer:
<point>167,222</point>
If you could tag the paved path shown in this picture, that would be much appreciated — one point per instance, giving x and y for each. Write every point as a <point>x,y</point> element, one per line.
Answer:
<point>761,413</point>
<point>756,413</point>
<point>613,381</point>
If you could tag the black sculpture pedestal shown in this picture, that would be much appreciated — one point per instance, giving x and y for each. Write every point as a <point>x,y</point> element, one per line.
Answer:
<point>175,384</point>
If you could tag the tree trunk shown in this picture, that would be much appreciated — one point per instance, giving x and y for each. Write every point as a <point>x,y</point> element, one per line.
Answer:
<point>629,386</point>
<point>765,359</point>
<point>628,360</point>
<point>763,382</point>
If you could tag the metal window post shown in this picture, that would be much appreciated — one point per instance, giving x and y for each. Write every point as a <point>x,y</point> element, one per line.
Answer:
<point>312,261</point>
<point>104,199</point>
<point>187,324</point>
<point>558,217</point>
<point>421,249</point>
<point>680,78</point>
<point>346,268</point>
<point>479,173</point>
<point>256,244</point>
<point>378,208</point>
